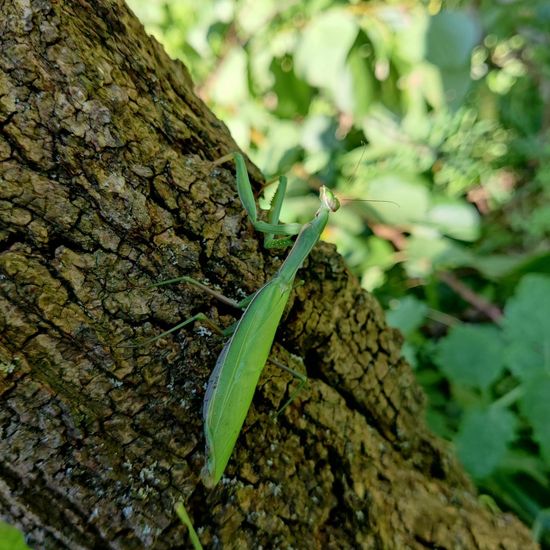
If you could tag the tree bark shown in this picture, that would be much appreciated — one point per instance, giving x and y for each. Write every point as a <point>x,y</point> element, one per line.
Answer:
<point>107,184</point>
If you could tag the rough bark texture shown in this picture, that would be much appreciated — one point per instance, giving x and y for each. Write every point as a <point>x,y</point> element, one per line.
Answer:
<point>107,185</point>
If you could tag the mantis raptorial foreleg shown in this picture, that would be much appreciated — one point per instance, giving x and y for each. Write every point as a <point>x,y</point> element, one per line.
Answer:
<point>272,227</point>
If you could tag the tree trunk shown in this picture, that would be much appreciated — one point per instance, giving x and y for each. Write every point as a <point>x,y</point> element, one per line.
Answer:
<point>107,184</point>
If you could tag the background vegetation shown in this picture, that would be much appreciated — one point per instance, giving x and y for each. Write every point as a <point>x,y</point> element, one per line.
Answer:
<point>443,108</point>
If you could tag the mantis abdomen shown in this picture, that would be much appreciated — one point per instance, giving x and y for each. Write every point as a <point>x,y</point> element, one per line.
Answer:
<point>234,379</point>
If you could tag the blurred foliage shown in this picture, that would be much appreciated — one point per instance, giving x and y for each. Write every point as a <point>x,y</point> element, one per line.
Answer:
<point>443,109</point>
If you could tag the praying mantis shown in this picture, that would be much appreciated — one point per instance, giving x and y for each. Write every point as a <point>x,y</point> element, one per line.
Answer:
<point>234,379</point>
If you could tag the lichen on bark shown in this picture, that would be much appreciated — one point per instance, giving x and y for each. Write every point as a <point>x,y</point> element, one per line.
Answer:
<point>107,184</point>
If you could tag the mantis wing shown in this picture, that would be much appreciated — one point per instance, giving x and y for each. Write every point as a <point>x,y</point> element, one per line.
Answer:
<point>233,381</point>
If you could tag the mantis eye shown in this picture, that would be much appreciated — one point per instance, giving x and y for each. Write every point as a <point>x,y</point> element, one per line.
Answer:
<point>328,198</point>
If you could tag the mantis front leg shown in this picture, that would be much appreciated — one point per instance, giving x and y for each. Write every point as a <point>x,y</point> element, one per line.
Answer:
<point>272,227</point>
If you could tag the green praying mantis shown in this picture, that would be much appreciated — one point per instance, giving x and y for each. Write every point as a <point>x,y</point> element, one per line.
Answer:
<point>234,379</point>
<point>231,386</point>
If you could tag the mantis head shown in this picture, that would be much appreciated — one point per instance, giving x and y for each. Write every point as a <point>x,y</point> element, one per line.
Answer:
<point>328,199</point>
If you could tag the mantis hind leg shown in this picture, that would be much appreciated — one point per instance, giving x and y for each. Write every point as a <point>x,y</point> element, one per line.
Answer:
<point>302,382</point>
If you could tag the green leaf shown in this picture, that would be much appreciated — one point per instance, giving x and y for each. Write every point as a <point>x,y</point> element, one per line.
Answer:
<point>497,266</point>
<point>408,351</point>
<point>450,39</point>
<point>525,461</point>
<point>526,326</point>
<point>231,83</point>
<point>456,219</point>
<point>293,94</point>
<point>318,134</point>
<point>456,84</point>
<point>254,16</point>
<point>426,252</point>
<point>471,355</point>
<point>483,439</point>
<point>11,538</point>
<point>321,54</point>
<point>406,314</point>
<point>282,150</point>
<point>535,406</point>
<point>410,41</point>
<point>362,83</point>
<point>539,221</point>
